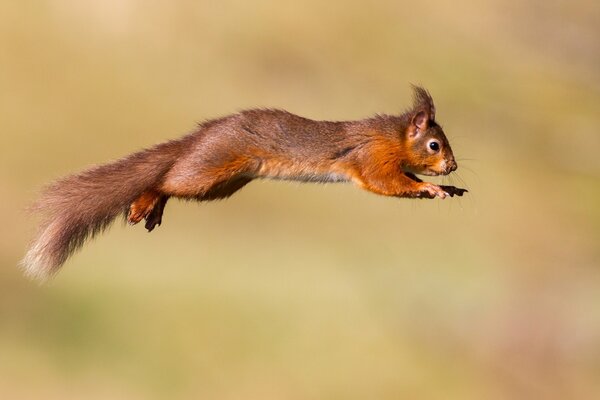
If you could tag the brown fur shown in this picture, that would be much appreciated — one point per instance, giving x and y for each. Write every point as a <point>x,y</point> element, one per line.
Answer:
<point>379,154</point>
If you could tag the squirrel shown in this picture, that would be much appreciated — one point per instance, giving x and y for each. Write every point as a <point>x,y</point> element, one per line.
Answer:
<point>382,154</point>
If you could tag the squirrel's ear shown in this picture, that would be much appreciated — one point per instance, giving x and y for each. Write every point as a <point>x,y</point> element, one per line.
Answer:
<point>419,123</point>
<point>423,101</point>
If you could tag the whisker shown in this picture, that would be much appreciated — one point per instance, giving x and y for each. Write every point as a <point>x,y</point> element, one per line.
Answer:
<point>461,180</point>
<point>467,168</point>
<point>474,173</point>
<point>472,198</point>
<point>457,176</point>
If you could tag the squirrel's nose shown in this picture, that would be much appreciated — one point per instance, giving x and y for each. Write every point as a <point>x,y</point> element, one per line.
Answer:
<point>453,165</point>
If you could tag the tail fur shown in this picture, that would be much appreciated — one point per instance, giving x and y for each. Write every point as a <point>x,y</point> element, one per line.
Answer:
<point>78,207</point>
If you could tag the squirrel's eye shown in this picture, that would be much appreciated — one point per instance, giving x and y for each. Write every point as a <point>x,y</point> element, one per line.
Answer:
<point>434,145</point>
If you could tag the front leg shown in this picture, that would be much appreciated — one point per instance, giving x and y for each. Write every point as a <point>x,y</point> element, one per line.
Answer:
<point>394,182</point>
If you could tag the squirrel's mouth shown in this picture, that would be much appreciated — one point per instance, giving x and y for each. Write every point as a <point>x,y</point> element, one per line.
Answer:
<point>434,173</point>
<point>445,168</point>
<point>441,168</point>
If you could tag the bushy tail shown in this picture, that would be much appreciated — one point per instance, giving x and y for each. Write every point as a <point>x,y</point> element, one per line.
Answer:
<point>79,206</point>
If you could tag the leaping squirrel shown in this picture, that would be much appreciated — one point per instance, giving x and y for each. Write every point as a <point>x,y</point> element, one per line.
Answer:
<point>381,154</point>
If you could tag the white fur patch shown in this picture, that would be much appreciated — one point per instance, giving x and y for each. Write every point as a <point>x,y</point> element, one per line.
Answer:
<point>39,262</point>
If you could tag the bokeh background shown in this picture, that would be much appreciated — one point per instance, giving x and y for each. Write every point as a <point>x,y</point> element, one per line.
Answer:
<point>297,291</point>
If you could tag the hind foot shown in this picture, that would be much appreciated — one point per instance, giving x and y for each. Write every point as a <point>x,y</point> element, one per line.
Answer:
<point>149,206</point>
<point>155,216</point>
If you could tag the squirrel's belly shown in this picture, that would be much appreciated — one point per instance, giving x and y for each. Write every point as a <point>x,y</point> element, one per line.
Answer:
<point>303,172</point>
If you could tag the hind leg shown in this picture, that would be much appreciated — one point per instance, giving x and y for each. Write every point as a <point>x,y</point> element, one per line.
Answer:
<point>211,190</point>
<point>225,189</point>
<point>216,179</point>
<point>150,205</point>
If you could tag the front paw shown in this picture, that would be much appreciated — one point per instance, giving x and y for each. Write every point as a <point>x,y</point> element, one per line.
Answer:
<point>452,191</point>
<point>430,191</point>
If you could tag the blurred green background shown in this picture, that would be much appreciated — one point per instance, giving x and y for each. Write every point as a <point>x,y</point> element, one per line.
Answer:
<point>297,291</point>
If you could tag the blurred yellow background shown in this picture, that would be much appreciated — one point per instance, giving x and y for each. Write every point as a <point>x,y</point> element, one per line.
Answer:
<point>298,291</point>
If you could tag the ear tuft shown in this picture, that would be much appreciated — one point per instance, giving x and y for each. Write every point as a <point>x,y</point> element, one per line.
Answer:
<point>422,101</point>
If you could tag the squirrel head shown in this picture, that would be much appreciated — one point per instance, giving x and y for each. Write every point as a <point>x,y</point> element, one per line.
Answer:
<point>428,148</point>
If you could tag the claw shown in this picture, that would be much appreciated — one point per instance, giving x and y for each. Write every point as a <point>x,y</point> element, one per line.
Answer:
<point>451,190</point>
<point>152,221</point>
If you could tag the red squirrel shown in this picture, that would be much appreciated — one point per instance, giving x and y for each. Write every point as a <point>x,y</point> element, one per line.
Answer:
<point>381,154</point>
